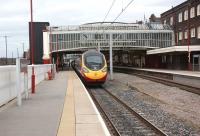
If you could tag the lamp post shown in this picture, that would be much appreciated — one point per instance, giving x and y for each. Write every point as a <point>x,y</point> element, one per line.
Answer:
<point>188,40</point>
<point>51,61</point>
<point>50,47</point>
<point>32,50</point>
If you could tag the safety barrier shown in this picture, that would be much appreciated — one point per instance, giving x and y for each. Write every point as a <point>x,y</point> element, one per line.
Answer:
<point>8,80</point>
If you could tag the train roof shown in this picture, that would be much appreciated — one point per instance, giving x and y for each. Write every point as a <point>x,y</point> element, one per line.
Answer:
<point>90,52</point>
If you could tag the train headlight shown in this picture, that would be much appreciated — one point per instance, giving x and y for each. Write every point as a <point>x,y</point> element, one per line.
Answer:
<point>85,70</point>
<point>104,69</point>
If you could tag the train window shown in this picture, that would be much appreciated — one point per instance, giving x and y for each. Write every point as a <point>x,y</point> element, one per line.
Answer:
<point>94,62</point>
<point>94,59</point>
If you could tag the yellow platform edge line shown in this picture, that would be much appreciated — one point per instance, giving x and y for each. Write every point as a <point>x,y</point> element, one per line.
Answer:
<point>67,122</point>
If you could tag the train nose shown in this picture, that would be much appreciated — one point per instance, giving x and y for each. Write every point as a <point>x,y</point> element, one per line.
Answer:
<point>95,75</point>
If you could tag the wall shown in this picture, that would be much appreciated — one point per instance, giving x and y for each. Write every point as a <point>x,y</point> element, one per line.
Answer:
<point>8,80</point>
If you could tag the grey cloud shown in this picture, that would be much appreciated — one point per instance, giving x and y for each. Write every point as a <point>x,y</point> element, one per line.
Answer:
<point>15,14</point>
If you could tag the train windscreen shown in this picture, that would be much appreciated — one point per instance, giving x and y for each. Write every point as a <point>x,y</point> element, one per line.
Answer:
<point>94,62</point>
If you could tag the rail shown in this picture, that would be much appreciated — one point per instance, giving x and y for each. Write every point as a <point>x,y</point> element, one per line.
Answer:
<point>152,127</point>
<point>111,126</point>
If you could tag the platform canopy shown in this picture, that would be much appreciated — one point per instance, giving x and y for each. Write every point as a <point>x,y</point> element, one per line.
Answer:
<point>174,49</point>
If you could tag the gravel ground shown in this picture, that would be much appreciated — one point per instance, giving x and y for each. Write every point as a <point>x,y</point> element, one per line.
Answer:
<point>123,120</point>
<point>180,109</point>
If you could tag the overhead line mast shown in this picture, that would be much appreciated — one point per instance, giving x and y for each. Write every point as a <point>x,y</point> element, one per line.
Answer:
<point>111,38</point>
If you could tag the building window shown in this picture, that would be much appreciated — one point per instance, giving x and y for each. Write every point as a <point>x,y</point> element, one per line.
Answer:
<point>180,17</point>
<point>192,32</point>
<point>186,34</point>
<point>186,15</point>
<point>180,37</point>
<point>192,12</point>
<point>165,22</point>
<point>198,10</point>
<point>171,20</point>
<point>164,59</point>
<point>170,59</point>
<point>198,32</point>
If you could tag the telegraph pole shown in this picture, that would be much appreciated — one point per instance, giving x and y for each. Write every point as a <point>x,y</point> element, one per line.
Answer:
<point>6,48</point>
<point>6,43</point>
<point>12,57</point>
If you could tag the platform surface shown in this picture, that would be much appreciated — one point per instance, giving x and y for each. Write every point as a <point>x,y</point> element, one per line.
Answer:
<point>59,107</point>
<point>178,72</point>
<point>80,117</point>
<point>175,72</point>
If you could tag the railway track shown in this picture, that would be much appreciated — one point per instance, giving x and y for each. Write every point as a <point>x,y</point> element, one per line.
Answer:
<point>121,118</point>
<point>163,81</point>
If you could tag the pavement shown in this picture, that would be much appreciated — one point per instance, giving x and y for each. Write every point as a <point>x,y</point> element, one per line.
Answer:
<point>40,114</point>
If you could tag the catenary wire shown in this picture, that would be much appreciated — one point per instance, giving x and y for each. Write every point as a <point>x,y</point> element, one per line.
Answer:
<point>123,10</point>
<point>109,10</point>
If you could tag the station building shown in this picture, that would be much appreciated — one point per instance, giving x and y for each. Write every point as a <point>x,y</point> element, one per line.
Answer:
<point>169,42</point>
<point>130,41</point>
<point>185,52</point>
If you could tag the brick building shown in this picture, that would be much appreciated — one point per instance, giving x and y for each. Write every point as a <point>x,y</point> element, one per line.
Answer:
<point>185,21</point>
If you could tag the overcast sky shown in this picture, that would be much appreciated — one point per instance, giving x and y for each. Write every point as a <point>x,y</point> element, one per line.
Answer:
<point>15,15</point>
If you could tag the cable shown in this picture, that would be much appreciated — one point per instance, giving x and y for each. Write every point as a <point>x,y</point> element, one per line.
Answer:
<point>123,10</point>
<point>109,10</point>
<point>117,16</point>
<point>113,2</point>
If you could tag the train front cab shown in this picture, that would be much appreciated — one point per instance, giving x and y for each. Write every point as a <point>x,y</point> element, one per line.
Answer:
<point>94,76</point>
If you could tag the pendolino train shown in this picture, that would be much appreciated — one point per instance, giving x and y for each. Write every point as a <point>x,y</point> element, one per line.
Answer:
<point>92,67</point>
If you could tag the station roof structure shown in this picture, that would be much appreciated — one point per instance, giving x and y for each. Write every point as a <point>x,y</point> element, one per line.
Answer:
<point>111,26</point>
<point>125,36</point>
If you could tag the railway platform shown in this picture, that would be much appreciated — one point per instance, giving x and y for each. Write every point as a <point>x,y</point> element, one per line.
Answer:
<point>175,72</point>
<point>59,107</point>
<point>191,78</point>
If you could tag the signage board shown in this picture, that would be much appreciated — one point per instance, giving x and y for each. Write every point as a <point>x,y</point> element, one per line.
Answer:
<point>23,65</point>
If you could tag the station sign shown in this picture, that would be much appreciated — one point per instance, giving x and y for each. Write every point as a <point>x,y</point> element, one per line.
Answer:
<point>23,65</point>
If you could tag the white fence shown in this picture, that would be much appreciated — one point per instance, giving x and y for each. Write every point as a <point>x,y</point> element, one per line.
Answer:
<point>8,80</point>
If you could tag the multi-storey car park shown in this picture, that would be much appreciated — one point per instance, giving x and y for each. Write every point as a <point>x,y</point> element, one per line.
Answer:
<point>130,41</point>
